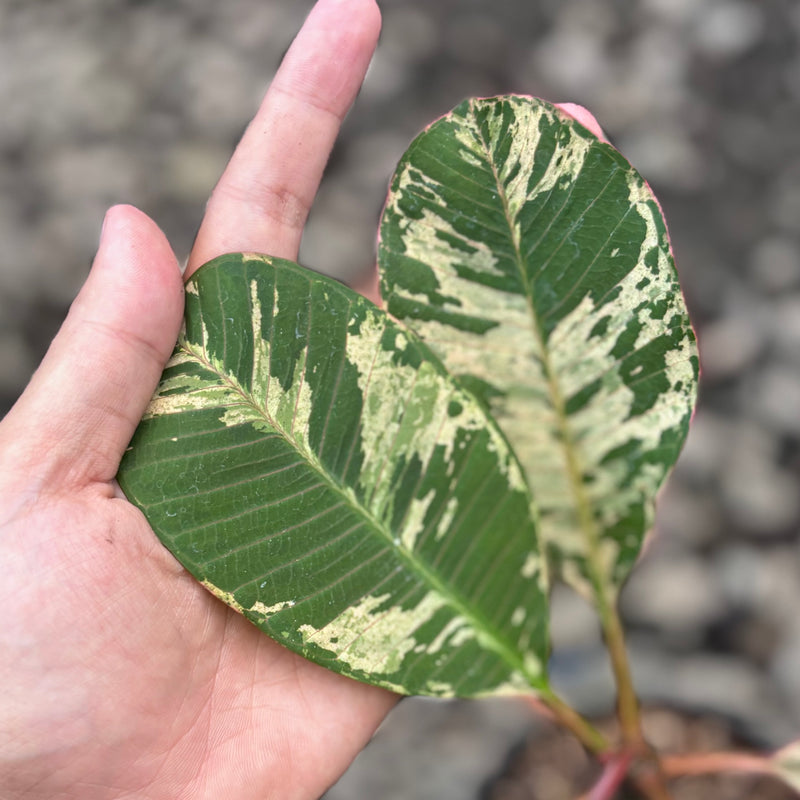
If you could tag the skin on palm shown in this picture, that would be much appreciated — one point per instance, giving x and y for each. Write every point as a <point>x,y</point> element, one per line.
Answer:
<point>122,676</point>
<point>207,689</point>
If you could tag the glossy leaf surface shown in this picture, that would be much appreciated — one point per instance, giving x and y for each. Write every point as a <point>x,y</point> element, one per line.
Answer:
<point>313,464</point>
<point>535,262</point>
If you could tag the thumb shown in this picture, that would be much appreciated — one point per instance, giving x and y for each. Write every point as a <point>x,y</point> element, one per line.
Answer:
<point>79,411</point>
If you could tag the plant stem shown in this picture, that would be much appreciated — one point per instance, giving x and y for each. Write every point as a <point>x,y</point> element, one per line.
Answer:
<point>705,763</point>
<point>581,728</point>
<point>647,772</point>
<point>627,702</point>
<point>613,775</point>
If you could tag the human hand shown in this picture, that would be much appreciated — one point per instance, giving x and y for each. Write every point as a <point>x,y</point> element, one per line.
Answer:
<point>121,676</point>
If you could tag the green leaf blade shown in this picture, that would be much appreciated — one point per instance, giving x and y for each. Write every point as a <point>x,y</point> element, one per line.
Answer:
<point>314,466</point>
<point>535,262</point>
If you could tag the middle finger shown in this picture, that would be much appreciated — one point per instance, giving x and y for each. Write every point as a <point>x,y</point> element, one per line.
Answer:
<point>262,199</point>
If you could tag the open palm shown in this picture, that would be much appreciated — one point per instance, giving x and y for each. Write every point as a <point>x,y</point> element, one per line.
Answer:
<point>121,676</point>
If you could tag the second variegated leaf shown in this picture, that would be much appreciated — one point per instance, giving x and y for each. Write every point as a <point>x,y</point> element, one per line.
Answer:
<point>534,260</point>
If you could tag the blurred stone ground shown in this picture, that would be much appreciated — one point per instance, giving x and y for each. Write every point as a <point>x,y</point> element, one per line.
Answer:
<point>142,102</point>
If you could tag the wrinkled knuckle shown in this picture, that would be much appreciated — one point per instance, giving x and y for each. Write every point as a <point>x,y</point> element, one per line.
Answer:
<point>284,206</point>
<point>280,204</point>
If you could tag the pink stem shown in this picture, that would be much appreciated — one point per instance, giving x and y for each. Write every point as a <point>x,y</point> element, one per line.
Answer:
<point>705,763</point>
<point>614,773</point>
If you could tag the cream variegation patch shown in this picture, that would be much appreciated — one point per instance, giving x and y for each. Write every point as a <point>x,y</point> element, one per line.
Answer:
<point>369,638</point>
<point>565,456</point>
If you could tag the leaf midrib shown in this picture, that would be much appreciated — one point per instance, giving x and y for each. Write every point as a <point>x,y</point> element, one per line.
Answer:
<point>486,633</point>
<point>574,471</point>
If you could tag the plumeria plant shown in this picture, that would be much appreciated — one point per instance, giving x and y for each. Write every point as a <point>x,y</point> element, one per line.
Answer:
<point>392,491</point>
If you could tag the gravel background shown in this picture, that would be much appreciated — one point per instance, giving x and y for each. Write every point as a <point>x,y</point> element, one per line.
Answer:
<point>142,102</point>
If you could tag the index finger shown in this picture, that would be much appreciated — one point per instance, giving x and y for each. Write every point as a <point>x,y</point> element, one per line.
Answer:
<point>263,198</point>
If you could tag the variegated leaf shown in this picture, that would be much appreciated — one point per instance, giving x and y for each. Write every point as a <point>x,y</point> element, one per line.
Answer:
<point>312,463</point>
<point>535,262</point>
